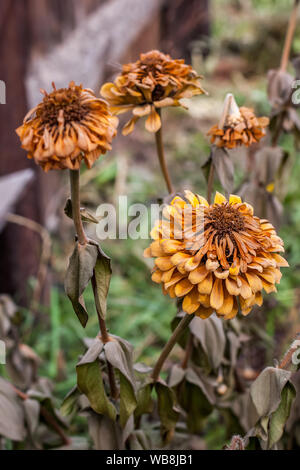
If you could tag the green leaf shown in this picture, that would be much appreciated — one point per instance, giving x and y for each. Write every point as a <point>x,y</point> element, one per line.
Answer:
<point>166,409</point>
<point>118,353</point>
<point>280,416</point>
<point>79,273</point>
<point>90,381</point>
<point>102,281</point>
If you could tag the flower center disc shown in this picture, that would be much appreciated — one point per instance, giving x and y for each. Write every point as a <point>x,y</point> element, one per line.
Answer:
<point>225,219</point>
<point>66,100</point>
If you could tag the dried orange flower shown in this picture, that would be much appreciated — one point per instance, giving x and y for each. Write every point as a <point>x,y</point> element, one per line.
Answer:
<point>238,126</point>
<point>69,125</point>
<point>215,256</point>
<point>153,82</point>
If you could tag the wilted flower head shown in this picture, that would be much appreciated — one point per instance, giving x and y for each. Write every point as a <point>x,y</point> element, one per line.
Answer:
<point>69,125</point>
<point>154,81</point>
<point>238,126</point>
<point>215,256</point>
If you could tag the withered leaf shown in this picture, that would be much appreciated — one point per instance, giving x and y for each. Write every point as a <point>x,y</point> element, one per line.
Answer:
<point>86,216</point>
<point>79,273</point>
<point>211,335</point>
<point>11,413</point>
<point>70,402</point>
<point>224,167</point>
<point>90,381</point>
<point>102,277</point>
<point>168,413</point>
<point>266,390</point>
<point>280,416</point>
<point>118,353</point>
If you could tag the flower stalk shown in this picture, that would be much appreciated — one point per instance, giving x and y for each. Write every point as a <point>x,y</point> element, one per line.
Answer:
<point>184,322</point>
<point>161,157</point>
<point>289,37</point>
<point>75,197</point>
<point>82,239</point>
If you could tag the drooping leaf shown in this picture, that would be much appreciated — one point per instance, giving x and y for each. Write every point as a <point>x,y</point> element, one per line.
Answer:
<point>224,168</point>
<point>105,433</point>
<point>86,216</point>
<point>90,381</point>
<point>32,414</point>
<point>118,353</point>
<point>266,390</point>
<point>280,416</point>
<point>166,406</point>
<point>11,413</point>
<point>211,335</point>
<point>102,281</point>
<point>144,400</point>
<point>177,374</point>
<point>70,402</point>
<point>79,273</point>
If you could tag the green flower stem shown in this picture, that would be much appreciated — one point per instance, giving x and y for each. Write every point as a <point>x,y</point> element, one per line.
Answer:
<point>161,157</point>
<point>82,239</point>
<point>184,322</point>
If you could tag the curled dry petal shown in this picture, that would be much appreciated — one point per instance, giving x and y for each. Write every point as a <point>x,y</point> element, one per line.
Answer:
<point>153,81</point>
<point>230,258</point>
<point>68,126</point>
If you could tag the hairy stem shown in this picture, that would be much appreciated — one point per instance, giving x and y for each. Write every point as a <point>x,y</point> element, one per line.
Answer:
<point>161,157</point>
<point>289,37</point>
<point>184,322</point>
<point>75,197</point>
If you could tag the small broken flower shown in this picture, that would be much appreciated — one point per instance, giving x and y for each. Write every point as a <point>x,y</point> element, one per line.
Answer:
<point>216,257</point>
<point>153,82</point>
<point>68,126</point>
<point>238,126</point>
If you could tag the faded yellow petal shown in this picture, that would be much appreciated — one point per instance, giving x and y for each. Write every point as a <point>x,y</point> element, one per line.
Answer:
<point>190,302</point>
<point>183,287</point>
<point>197,276</point>
<point>219,198</point>
<point>217,295</point>
<point>203,312</point>
<point>233,199</point>
<point>153,122</point>
<point>205,286</point>
<point>164,263</point>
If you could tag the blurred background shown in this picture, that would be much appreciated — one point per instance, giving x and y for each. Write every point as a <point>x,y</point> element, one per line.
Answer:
<point>233,44</point>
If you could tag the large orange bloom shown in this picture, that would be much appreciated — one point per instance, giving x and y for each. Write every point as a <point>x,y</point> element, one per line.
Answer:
<point>215,256</point>
<point>68,126</point>
<point>243,128</point>
<point>153,82</point>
